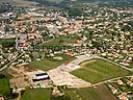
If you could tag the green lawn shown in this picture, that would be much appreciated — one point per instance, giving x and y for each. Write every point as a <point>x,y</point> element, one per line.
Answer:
<point>98,93</point>
<point>99,70</point>
<point>37,94</point>
<point>4,86</point>
<point>50,63</point>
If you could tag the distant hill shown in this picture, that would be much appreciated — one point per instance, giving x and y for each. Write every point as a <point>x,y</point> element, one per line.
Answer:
<point>108,2</point>
<point>60,2</point>
<point>48,1</point>
<point>65,3</point>
<point>18,2</point>
<point>11,5</point>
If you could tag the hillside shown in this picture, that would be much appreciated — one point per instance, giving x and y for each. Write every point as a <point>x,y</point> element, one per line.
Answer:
<point>106,2</point>
<point>18,2</point>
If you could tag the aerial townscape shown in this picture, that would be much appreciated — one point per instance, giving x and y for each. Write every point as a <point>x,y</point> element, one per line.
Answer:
<point>66,49</point>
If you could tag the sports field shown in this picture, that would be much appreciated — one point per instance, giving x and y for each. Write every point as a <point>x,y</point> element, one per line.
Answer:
<point>50,63</point>
<point>98,70</point>
<point>37,94</point>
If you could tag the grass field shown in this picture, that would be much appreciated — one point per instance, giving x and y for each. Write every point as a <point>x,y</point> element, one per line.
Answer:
<point>61,41</point>
<point>131,65</point>
<point>98,93</point>
<point>4,86</point>
<point>37,94</point>
<point>50,63</point>
<point>99,70</point>
<point>7,42</point>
